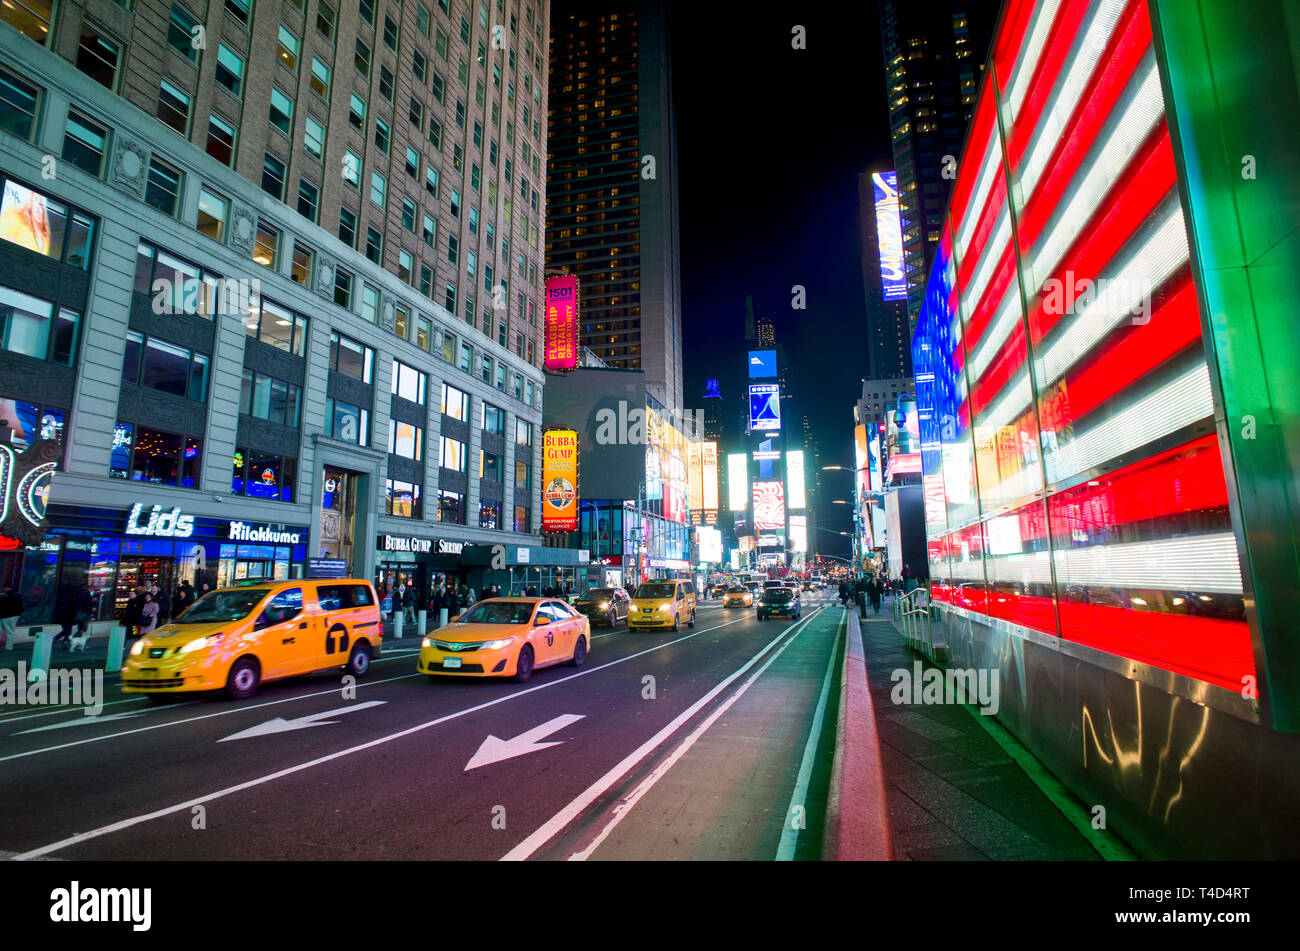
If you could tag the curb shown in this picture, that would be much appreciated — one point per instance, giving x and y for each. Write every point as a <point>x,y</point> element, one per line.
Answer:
<point>857,814</point>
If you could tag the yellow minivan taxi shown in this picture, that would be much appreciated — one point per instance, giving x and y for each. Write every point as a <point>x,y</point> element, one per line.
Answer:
<point>662,604</point>
<point>232,639</point>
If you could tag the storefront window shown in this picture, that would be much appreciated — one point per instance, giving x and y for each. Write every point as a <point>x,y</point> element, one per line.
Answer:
<point>338,514</point>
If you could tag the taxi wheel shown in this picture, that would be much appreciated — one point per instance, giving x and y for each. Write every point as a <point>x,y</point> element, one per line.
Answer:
<point>579,653</point>
<point>242,682</point>
<point>359,661</point>
<point>524,664</point>
<point>677,622</point>
<point>692,619</point>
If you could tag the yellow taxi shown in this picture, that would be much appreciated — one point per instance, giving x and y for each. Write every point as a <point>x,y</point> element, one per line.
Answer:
<point>662,604</point>
<point>507,637</point>
<point>233,639</point>
<point>738,597</point>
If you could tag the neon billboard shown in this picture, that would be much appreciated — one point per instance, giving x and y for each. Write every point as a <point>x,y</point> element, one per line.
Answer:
<point>561,345</point>
<point>764,407</point>
<point>889,235</point>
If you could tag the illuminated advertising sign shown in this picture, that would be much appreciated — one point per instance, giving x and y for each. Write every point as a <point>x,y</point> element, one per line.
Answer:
<point>562,322</point>
<point>769,506</point>
<point>762,363</point>
<point>764,406</point>
<point>710,545</point>
<point>795,490</point>
<point>559,480</point>
<point>25,219</point>
<point>695,482</point>
<point>709,467</point>
<point>737,482</point>
<point>766,455</point>
<point>873,465</point>
<point>799,533</point>
<point>889,235</point>
<point>735,559</point>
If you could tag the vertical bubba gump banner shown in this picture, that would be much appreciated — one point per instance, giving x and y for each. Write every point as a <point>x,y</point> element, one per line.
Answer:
<point>559,480</point>
<point>562,322</point>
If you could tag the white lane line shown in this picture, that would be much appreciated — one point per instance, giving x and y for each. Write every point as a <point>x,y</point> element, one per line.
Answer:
<point>288,771</point>
<point>789,835</point>
<point>561,820</point>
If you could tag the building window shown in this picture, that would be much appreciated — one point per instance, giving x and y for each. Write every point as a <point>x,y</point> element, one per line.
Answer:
<point>165,367</point>
<point>281,112</point>
<point>455,403</point>
<point>347,228</point>
<point>449,347</point>
<point>405,268</point>
<point>264,475</point>
<point>174,107</point>
<point>221,140</point>
<point>431,180</point>
<point>265,397</point>
<point>314,138</point>
<point>489,466</point>
<point>18,103</point>
<point>303,259</point>
<point>351,358</point>
<point>429,231</point>
<point>406,440</point>
<point>352,168</point>
<point>289,48</point>
<point>163,188</point>
<point>402,499</point>
<point>180,33</point>
<point>521,520</point>
<point>466,357</point>
<point>408,382</point>
<point>378,190</point>
<point>266,245</point>
<point>369,303</point>
<point>230,70</point>
<point>413,163</point>
<point>213,211</point>
<point>362,59</point>
<point>320,78</point>
<point>451,507</point>
<point>523,432</point>
<point>438,86</point>
<point>426,281</point>
<point>98,57</point>
<point>152,455</point>
<point>347,422</point>
<point>326,20</point>
<point>390,33</point>
<point>374,246</point>
<point>279,327</point>
<point>523,475</point>
<point>273,176</point>
<point>386,83</point>
<point>402,321</point>
<point>494,419</point>
<point>308,200</point>
<point>342,288</point>
<point>37,328</point>
<point>241,10</point>
<point>383,136</point>
<point>489,515</point>
<point>176,285</point>
<point>453,455</point>
<point>423,333</point>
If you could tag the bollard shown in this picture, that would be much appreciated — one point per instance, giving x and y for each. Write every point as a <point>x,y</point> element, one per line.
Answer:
<point>39,666</point>
<point>398,620</point>
<point>116,644</point>
<point>442,617</point>
<point>422,620</point>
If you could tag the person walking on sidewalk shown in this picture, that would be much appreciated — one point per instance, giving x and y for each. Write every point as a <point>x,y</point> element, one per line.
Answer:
<point>875,589</point>
<point>85,605</point>
<point>148,615</point>
<point>131,616</point>
<point>11,605</point>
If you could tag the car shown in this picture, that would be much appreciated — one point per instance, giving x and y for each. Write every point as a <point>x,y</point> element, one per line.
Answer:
<point>738,596</point>
<point>662,604</point>
<point>236,638</point>
<point>507,637</point>
<point>753,587</point>
<point>774,583</point>
<point>604,605</point>
<point>779,602</point>
<point>806,586</point>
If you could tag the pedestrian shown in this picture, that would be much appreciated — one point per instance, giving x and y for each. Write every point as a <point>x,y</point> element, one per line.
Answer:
<point>875,590</point>
<point>148,615</point>
<point>131,616</point>
<point>11,606</point>
<point>473,598</point>
<point>164,601</point>
<point>187,595</point>
<point>85,606</point>
<point>177,602</point>
<point>65,615</point>
<point>408,604</point>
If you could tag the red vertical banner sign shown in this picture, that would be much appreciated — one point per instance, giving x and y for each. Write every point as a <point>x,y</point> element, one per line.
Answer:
<point>562,322</point>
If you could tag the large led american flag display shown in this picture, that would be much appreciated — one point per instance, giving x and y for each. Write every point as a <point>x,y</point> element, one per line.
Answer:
<point>1073,483</point>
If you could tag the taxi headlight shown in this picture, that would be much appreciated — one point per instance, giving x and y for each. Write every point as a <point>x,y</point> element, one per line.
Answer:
<point>496,645</point>
<point>604,605</point>
<point>138,647</point>
<point>666,607</point>
<point>202,643</point>
<point>427,642</point>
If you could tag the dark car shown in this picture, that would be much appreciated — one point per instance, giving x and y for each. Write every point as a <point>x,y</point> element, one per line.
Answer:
<point>604,605</point>
<point>779,602</point>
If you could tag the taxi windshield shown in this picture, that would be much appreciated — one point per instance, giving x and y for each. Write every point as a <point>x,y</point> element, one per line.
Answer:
<point>498,612</point>
<point>222,606</point>
<point>656,591</point>
<point>737,590</point>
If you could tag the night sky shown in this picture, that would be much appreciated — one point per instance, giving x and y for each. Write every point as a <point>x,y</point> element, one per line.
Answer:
<point>770,144</point>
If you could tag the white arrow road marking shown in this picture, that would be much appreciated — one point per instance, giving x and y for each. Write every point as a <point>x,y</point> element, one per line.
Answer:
<point>83,721</point>
<point>281,725</point>
<point>494,749</point>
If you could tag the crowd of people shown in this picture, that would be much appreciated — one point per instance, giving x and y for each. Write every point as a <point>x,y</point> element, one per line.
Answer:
<point>452,595</point>
<point>874,588</point>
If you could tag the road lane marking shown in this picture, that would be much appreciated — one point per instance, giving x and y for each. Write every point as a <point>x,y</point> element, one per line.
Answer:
<point>83,720</point>
<point>562,819</point>
<point>790,836</point>
<point>494,749</point>
<point>330,757</point>
<point>281,725</point>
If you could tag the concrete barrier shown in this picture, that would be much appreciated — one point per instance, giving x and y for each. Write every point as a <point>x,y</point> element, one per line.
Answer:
<point>857,813</point>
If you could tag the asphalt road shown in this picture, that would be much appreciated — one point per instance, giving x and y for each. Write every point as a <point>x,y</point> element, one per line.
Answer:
<point>687,745</point>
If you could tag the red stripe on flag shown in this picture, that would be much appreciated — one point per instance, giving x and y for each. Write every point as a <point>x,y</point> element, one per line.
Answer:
<point>982,129</point>
<point>1003,274</point>
<point>979,247</point>
<point>1059,45</point>
<point>1011,39</point>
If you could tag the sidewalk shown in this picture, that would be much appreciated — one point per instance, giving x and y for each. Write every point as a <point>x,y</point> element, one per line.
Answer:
<point>953,791</point>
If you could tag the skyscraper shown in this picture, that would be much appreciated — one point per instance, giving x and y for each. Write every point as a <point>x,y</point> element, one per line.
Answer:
<point>612,185</point>
<point>934,55</point>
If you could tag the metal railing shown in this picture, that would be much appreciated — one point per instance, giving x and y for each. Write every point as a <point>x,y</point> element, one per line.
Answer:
<point>915,615</point>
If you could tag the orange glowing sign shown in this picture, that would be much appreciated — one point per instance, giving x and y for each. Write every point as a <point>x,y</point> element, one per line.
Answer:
<point>559,480</point>
<point>562,322</point>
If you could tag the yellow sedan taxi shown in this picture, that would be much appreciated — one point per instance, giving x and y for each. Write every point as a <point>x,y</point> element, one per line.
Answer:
<point>738,597</point>
<point>507,637</point>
